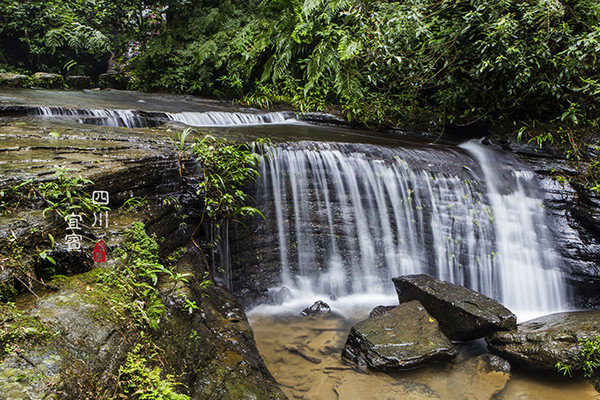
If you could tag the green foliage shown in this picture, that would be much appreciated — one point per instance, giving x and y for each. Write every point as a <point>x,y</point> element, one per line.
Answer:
<point>587,360</point>
<point>133,203</point>
<point>228,168</point>
<point>65,194</point>
<point>389,62</point>
<point>136,277</point>
<point>181,147</point>
<point>564,369</point>
<point>11,196</point>
<point>138,380</point>
<point>70,36</point>
<point>16,263</point>
<point>18,331</point>
<point>589,355</point>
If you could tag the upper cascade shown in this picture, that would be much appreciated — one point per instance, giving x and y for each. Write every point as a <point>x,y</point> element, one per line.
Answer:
<point>220,118</point>
<point>140,119</point>
<point>103,117</point>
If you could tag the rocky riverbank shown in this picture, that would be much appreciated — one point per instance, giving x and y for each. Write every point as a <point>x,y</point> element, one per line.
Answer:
<point>431,312</point>
<point>82,329</point>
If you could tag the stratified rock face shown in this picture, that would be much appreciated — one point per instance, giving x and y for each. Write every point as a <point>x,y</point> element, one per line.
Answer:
<point>405,337</point>
<point>462,313</point>
<point>542,342</point>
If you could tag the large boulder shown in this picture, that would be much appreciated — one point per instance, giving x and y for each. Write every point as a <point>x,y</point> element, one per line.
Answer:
<point>462,313</point>
<point>405,337</point>
<point>542,342</point>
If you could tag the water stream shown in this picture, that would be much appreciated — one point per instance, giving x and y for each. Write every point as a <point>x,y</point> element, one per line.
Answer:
<point>348,218</point>
<point>347,210</point>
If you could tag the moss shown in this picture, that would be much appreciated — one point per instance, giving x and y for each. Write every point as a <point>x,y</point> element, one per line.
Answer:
<point>114,81</point>
<point>7,290</point>
<point>141,380</point>
<point>14,80</point>
<point>48,81</point>
<point>19,331</point>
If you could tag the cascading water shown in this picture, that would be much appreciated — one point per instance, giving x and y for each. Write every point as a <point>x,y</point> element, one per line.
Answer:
<point>103,117</point>
<point>218,118</point>
<point>141,119</point>
<point>347,218</point>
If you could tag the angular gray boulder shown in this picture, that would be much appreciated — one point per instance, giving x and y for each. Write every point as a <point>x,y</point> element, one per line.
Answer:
<point>404,337</point>
<point>463,314</point>
<point>542,342</point>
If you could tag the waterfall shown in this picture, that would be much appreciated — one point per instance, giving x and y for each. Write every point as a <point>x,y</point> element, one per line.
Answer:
<point>346,218</point>
<point>104,117</point>
<point>218,118</point>
<point>141,119</point>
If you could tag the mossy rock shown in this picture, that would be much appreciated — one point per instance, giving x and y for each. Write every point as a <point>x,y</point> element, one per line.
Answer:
<point>78,82</point>
<point>118,80</point>
<point>14,80</point>
<point>48,81</point>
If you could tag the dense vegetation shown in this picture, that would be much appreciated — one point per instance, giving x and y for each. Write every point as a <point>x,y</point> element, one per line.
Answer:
<point>69,36</point>
<point>528,66</point>
<point>386,62</point>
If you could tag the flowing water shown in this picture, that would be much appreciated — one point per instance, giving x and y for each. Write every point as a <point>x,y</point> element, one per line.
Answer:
<point>346,211</point>
<point>348,218</point>
<point>323,338</point>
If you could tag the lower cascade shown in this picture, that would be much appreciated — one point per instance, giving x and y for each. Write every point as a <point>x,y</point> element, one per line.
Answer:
<point>347,218</point>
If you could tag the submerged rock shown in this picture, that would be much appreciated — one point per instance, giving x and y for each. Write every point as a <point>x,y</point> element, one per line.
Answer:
<point>320,307</point>
<point>479,377</point>
<point>542,342</point>
<point>280,296</point>
<point>347,388</point>
<point>462,313</point>
<point>405,337</point>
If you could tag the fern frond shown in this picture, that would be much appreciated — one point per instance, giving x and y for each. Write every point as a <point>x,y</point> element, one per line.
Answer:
<point>348,47</point>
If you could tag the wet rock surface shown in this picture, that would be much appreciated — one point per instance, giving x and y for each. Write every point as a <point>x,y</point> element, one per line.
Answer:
<point>463,314</point>
<point>405,390</point>
<point>319,307</point>
<point>481,377</point>
<point>542,342</point>
<point>380,310</point>
<point>405,337</point>
<point>210,349</point>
